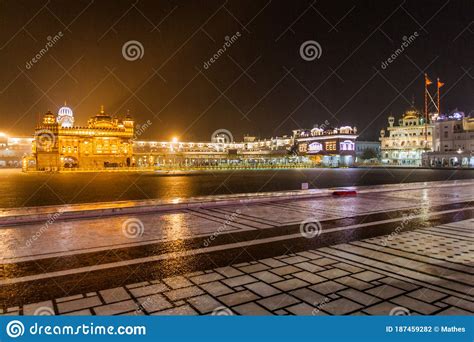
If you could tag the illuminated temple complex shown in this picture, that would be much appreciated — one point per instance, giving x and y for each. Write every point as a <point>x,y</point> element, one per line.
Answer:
<point>105,142</point>
<point>108,143</point>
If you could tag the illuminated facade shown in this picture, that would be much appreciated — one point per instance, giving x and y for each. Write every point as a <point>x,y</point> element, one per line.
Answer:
<point>453,142</point>
<point>407,141</point>
<point>104,143</point>
<point>327,146</point>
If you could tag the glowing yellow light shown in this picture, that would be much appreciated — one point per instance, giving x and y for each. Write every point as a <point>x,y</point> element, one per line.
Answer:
<point>175,139</point>
<point>2,135</point>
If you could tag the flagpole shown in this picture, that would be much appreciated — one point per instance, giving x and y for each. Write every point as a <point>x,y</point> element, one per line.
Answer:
<point>439,108</point>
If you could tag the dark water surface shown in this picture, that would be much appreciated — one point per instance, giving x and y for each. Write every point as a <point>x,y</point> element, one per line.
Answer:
<point>18,189</point>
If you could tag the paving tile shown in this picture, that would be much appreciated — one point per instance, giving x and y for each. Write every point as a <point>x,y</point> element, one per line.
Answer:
<point>148,290</point>
<point>272,262</point>
<point>183,293</point>
<point>238,298</point>
<point>327,287</point>
<point>291,284</point>
<point>154,303</point>
<point>267,277</point>
<point>355,283</point>
<point>184,310</point>
<point>301,309</point>
<point>308,296</point>
<point>341,306</point>
<point>262,289</point>
<point>251,309</point>
<point>385,291</point>
<point>206,278</point>
<point>216,288</point>
<point>240,280</point>
<point>39,309</point>
<point>254,268</point>
<point>116,308</point>
<point>132,286</point>
<point>278,301</point>
<point>348,267</point>
<point>78,304</point>
<point>65,299</point>
<point>460,303</point>
<point>281,312</point>
<point>324,261</point>
<point>281,271</point>
<point>452,311</point>
<point>399,283</point>
<point>333,273</point>
<point>204,304</point>
<point>307,266</point>
<point>85,312</point>
<point>309,277</point>
<point>116,294</point>
<point>414,304</point>
<point>368,276</point>
<point>309,255</point>
<point>177,282</point>
<point>294,260</point>
<point>228,271</point>
<point>427,295</point>
<point>359,297</point>
<point>380,309</point>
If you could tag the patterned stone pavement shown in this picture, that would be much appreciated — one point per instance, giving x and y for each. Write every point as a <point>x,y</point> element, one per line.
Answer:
<point>419,263</point>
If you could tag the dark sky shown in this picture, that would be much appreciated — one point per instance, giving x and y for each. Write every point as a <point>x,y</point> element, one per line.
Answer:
<point>260,85</point>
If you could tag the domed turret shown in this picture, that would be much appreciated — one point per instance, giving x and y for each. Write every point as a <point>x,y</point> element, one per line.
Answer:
<point>49,118</point>
<point>65,116</point>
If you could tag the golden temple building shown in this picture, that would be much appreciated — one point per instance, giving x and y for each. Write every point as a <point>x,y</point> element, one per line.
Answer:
<point>106,142</point>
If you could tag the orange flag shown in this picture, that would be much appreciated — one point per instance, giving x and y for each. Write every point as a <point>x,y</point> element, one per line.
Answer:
<point>427,80</point>
<point>440,84</point>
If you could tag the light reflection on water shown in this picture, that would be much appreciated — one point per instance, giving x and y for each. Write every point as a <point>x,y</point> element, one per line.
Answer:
<point>19,189</point>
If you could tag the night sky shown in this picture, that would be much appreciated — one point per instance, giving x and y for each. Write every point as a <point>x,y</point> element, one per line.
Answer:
<point>259,86</point>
